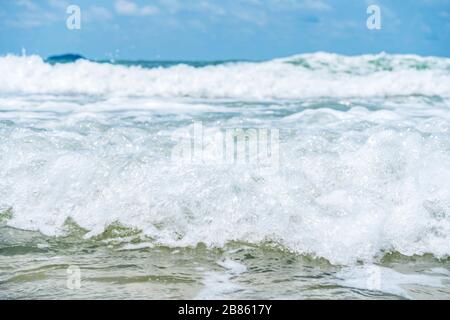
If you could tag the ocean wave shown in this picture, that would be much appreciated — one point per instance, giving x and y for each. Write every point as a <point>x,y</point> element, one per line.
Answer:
<point>298,77</point>
<point>352,186</point>
<point>358,177</point>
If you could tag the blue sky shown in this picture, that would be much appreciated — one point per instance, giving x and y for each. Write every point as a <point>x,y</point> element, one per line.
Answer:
<point>223,29</point>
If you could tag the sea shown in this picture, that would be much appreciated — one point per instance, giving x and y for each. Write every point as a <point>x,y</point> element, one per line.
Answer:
<point>316,176</point>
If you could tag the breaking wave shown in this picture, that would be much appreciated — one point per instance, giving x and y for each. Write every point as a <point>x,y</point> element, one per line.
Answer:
<point>298,77</point>
<point>364,153</point>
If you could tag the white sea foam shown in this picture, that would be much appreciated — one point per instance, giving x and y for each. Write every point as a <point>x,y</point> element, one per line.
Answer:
<point>380,279</point>
<point>358,177</point>
<point>221,285</point>
<point>297,77</point>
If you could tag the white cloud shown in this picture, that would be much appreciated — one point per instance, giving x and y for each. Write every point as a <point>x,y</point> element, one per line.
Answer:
<point>28,4</point>
<point>204,6</point>
<point>255,17</point>
<point>173,6</point>
<point>211,8</point>
<point>99,13</point>
<point>129,8</point>
<point>319,5</point>
<point>60,4</point>
<point>31,15</point>
<point>316,5</point>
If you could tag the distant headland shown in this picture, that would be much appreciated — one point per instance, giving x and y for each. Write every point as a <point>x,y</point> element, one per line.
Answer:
<point>65,58</point>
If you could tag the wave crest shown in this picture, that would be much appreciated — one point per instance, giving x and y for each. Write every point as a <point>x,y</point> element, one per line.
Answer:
<point>298,77</point>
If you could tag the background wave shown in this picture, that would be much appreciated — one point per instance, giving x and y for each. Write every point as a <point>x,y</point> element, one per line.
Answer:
<point>303,76</point>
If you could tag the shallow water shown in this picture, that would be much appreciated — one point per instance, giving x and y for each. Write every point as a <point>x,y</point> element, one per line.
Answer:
<point>346,194</point>
<point>36,267</point>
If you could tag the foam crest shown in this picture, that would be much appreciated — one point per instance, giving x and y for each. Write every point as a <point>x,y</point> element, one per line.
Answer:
<point>346,190</point>
<point>304,76</point>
